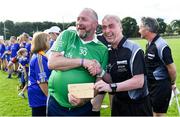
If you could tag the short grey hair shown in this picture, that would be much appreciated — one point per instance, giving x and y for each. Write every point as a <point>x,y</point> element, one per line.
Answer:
<point>116,18</point>
<point>94,14</point>
<point>150,23</point>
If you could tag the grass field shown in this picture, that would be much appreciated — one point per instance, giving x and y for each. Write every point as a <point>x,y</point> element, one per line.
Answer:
<point>12,105</point>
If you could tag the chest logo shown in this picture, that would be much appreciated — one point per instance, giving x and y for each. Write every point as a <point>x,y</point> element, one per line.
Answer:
<point>150,56</point>
<point>83,51</point>
<point>122,62</point>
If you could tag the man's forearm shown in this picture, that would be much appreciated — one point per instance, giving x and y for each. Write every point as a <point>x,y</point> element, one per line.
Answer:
<point>59,62</point>
<point>172,72</point>
<point>107,78</point>
<point>134,83</point>
<point>65,64</point>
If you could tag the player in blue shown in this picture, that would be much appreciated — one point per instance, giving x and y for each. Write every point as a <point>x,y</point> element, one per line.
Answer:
<point>23,69</point>
<point>13,63</point>
<point>2,50</point>
<point>27,43</point>
<point>6,56</point>
<point>38,74</point>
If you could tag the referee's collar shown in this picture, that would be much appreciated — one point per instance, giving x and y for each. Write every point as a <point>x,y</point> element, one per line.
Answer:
<point>122,42</point>
<point>155,38</point>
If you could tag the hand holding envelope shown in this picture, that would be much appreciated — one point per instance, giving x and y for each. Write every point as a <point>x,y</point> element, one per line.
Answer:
<point>79,94</point>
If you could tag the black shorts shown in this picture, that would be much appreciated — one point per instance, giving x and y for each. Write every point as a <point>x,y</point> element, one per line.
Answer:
<point>131,108</point>
<point>160,94</point>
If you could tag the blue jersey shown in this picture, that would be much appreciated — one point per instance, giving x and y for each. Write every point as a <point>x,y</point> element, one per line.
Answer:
<point>38,73</point>
<point>24,62</point>
<point>28,47</point>
<point>14,48</point>
<point>22,45</point>
<point>2,49</point>
<point>7,56</point>
<point>51,42</point>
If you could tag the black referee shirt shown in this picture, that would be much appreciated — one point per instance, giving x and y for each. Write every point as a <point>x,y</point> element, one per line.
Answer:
<point>126,61</point>
<point>157,56</point>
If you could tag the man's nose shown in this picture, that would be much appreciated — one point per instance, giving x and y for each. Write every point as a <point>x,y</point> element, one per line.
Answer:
<point>106,30</point>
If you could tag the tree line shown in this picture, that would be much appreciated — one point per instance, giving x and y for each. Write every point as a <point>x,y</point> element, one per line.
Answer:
<point>130,27</point>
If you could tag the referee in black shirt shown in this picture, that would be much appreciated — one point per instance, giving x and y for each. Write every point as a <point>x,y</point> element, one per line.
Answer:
<point>161,71</point>
<point>127,72</point>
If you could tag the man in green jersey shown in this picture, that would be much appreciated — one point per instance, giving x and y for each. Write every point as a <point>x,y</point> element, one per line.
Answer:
<point>76,57</point>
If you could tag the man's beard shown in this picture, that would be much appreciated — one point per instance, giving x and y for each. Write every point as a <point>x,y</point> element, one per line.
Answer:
<point>84,35</point>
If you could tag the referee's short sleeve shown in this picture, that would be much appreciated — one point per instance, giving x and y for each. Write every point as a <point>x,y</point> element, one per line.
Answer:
<point>138,63</point>
<point>167,56</point>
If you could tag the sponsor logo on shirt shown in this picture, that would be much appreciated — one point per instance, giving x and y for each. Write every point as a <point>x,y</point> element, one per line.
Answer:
<point>83,51</point>
<point>68,55</point>
<point>122,62</point>
<point>42,76</point>
<point>73,46</point>
<point>150,56</point>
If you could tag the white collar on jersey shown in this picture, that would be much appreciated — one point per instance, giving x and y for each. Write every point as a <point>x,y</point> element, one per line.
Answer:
<point>95,40</point>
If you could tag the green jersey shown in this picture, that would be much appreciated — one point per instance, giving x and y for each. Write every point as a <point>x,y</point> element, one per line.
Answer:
<point>72,46</point>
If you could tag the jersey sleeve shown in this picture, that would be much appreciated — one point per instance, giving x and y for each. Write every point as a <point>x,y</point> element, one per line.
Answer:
<point>41,70</point>
<point>138,63</point>
<point>105,60</point>
<point>60,43</point>
<point>167,56</point>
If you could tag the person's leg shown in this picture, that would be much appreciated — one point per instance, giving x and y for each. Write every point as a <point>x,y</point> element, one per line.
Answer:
<point>0,63</point>
<point>96,104</point>
<point>10,69</point>
<point>16,65</point>
<point>53,107</point>
<point>118,108</point>
<point>24,89</point>
<point>21,94</point>
<point>161,97</point>
<point>39,111</point>
<point>5,65</point>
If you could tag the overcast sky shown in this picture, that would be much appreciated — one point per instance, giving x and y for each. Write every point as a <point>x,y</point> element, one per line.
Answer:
<point>67,10</point>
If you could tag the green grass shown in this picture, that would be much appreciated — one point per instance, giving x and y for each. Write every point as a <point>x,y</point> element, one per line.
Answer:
<point>12,105</point>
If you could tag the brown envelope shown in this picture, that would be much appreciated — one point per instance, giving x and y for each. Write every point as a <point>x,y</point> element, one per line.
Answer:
<point>82,90</point>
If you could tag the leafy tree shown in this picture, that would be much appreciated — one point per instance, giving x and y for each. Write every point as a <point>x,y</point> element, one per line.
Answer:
<point>9,28</point>
<point>18,28</point>
<point>162,25</point>
<point>175,24</point>
<point>1,28</point>
<point>129,26</point>
<point>169,30</point>
<point>99,29</point>
<point>26,27</point>
<point>47,24</point>
<point>66,25</point>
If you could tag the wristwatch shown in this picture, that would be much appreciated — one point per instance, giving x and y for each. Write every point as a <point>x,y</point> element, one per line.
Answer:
<point>113,87</point>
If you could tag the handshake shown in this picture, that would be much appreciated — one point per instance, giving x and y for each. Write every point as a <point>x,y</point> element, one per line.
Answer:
<point>93,66</point>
